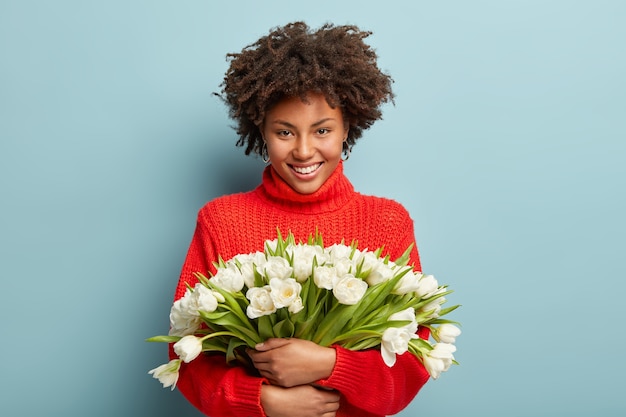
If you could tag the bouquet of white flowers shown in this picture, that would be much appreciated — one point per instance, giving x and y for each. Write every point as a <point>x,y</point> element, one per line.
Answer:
<point>335,295</point>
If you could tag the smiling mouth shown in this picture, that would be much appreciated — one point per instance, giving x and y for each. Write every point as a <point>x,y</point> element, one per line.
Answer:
<point>306,170</point>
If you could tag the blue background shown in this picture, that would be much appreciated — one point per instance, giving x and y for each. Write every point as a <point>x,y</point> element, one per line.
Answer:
<point>506,144</point>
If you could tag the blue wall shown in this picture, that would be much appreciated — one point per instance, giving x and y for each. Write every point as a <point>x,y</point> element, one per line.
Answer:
<point>507,145</point>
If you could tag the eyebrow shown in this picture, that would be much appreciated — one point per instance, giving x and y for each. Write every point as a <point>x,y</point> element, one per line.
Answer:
<point>318,123</point>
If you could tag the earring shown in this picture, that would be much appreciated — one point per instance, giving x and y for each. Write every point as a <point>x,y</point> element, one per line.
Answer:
<point>346,151</point>
<point>265,156</point>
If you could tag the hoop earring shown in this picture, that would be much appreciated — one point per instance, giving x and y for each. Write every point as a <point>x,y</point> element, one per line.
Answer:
<point>347,149</point>
<point>265,156</point>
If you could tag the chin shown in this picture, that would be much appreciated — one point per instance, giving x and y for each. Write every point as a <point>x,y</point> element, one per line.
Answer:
<point>309,188</point>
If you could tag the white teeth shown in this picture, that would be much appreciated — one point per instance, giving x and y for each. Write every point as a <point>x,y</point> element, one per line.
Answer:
<point>306,170</point>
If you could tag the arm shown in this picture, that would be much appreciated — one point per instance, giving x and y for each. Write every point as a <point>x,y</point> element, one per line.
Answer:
<point>366,382</point>
<point>208,382</point>
<point>302,400</point>
<point>216,388</point>
<point>292,366</point>
<point>292,362</point>
<point>362,377</point>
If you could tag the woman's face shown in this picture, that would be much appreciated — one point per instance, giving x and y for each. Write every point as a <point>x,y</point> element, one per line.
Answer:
<point>304,140</point>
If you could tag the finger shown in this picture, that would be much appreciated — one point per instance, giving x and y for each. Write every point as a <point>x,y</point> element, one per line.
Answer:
<point>331,395</point>
<point>270,344</point>
<point>258,357</point>
<point>270,377</point>
<point>262,367</point>
<point>332,399</point>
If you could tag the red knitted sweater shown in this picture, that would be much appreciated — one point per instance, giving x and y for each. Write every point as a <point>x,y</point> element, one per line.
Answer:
<point>240,223</point>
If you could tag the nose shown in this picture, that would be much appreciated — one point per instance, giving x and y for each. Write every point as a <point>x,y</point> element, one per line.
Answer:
<point>304,147</point>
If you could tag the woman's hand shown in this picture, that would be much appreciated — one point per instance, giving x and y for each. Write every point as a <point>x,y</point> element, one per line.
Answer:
<point>301,401</point>
<point>291,362</point>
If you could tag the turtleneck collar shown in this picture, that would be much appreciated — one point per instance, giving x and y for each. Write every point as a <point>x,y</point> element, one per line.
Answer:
<point>333,194</point>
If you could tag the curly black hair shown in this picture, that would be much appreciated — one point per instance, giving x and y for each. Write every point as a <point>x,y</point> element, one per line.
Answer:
<point>292,61</point>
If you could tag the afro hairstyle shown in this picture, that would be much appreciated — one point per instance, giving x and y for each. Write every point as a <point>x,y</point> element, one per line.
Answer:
<point>294,60</point>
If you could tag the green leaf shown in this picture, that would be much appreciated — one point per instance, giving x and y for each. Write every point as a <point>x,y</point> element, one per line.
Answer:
<point>233,305</point>
<point>265,327</point>
<point>363,344</point>
<point>374,296</point>
<point>233,344</point>
<point>304,295</point>
<point>249,336</point>
<point>425,301</point>
<point>259,280</point>
<point>280,245</point>
<point>220,263</point>
<point>304,329</point>
<point>284,328</point>
<point>419,345</point>
<point>333,323</point>
<point>404,259</point>
<point>352,338</point>
<point>165,339</point>
<point>447,310</point>
<point>442,321</point>
<point>318,238</point>
<point>214,315</point>
<point>215,344</point>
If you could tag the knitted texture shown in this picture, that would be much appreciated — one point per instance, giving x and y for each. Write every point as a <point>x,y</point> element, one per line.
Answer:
<point>240,223</point>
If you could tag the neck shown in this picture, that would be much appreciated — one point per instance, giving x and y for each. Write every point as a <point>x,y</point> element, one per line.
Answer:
<point>332,195</point>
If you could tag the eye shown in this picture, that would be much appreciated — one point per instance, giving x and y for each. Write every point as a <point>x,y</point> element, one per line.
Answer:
<point>283,133</point>
<point>323,131</point>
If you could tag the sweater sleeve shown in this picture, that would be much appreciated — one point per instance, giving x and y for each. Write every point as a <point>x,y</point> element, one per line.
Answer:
<point>367,383</point>
<point>404,237</point>
<point>208,382</point>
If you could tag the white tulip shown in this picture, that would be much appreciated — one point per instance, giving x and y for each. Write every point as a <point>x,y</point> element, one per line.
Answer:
<point>167,374</point>
<point>338,251</point>
<point>188,348</point>
<point>247,272</point>
<point>261,303</point>
<point>276,267</point>
<point>324,276</point>
<point>439,359</point>
<point>447,333</point>
<point>407,284</point>
<point>303,256</point>
<point>379,272</point>
<point>219,297</point>
<point>229,279</point>
<point>428,285</point>
<point>271,245</point>
<point>184,316</point>
<point>302,269</point>
<point>296,306</point>
<point>284,291</point>
<point>369,261</point>
<point>205,298</point>
<point>395,341</point>
<point>247,263</point>
<point>349,290</point>
<point>433,308</point>
<point>406,315</point>
<point>344,266</point>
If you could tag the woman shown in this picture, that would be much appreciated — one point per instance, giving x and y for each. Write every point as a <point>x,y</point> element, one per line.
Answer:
<point>301,99</point>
